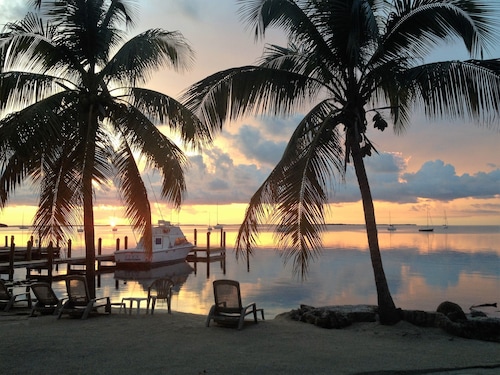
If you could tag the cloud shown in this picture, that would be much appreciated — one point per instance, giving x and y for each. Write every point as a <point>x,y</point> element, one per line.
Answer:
<point>214,177</point>
<point>12,10</point>
<point>434,180</point>
<point>255,146</point>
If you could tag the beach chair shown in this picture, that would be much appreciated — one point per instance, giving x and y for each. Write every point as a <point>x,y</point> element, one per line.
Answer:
<point>47,301</point>
<point>228,309</point>
<point>8,298</point>
<point>79,302</point>
<point>158,290</point>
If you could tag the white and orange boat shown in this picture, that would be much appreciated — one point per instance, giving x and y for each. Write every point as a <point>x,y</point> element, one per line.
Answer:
<point>170,245</point>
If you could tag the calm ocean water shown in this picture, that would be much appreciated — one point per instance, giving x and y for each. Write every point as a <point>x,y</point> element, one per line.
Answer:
<point>459,264</point>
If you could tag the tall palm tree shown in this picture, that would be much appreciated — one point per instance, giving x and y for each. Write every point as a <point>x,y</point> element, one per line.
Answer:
<point>74,117</point>
<point>351,64</point>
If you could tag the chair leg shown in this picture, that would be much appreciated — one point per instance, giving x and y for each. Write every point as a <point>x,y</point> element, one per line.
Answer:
<point>210,315</point>
<point>242,321</point>
<point>10,304</point>
<point>87,310</point>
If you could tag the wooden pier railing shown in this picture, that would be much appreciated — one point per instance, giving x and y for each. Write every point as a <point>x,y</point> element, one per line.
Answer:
<point>47,258</point>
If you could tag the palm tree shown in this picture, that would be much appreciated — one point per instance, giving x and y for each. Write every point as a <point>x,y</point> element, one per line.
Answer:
<point>349,63</point>
<point>75,116</point>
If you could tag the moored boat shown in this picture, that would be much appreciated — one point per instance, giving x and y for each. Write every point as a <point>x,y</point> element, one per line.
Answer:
<point>169,246</point>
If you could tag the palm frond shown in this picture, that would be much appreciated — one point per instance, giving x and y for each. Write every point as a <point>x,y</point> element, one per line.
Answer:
<point>302,61</point>
<point>145,53</point>
<point>163,109</point>
<point>414,28</point>
<point>232,93</point>
<point>294,195</point>
<point>60,194</point>
<point>21,89</point>
<point>458,89</point>
<point>293,19</point>
<point>134,193</point>
<point>158,151</point>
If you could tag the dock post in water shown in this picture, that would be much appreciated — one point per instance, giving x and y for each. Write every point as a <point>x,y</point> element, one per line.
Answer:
<point>50,261</point>
<point>29,247</point>
<point>99,252</point>
<point>208,254</point>
<point>11,258</point>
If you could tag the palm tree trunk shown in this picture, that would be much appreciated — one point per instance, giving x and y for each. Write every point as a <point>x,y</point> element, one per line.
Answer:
<point>388,313</point>
<point>88,205</point>
<point>88,223</point>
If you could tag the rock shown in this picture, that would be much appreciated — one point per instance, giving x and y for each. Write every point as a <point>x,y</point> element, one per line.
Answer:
<point>477,314</point>
<point>334,316</point>
<point>420,318</point>
<point>452,310</point>
<point>486,329</point>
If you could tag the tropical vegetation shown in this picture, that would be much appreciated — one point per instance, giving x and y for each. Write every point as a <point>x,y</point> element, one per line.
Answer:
<point>75,117</point>
<point>353,67</point>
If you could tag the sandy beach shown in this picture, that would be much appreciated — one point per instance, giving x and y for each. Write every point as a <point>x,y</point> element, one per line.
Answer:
<point>181,344</point>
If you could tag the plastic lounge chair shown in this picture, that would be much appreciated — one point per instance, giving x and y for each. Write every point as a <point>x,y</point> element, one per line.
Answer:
<point>160,289</point>
<point>79,302</point>
<point>47,301</point>
<point>8,299</point>
<point>228,309</point>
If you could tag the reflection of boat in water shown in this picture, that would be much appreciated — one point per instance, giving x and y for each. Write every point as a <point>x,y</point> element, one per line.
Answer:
<point>169,246</point>
<point>177,272</point>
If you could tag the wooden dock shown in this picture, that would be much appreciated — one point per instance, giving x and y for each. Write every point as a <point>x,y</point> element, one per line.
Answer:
<point>49,259</point>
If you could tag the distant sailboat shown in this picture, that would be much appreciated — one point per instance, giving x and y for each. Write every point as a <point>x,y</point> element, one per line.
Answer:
<point>22,226</point>
<point>391,228</point>
<point>445,225</point>
<point>218,226</point>
<point>427,228</point>
<point>209,226</point>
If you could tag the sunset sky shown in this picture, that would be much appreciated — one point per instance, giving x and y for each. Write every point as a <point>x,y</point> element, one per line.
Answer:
<point>443,166</point>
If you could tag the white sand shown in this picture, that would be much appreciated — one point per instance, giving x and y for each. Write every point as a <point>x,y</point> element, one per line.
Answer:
<point>181,344</point>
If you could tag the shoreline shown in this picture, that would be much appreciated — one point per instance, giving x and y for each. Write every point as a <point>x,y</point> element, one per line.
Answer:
<point>181,344</point>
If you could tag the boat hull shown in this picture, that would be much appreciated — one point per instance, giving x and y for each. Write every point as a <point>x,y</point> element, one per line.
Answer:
<point>136,258</point>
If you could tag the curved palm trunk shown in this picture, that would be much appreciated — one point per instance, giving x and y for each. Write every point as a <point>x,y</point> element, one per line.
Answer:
<point>388,313</point>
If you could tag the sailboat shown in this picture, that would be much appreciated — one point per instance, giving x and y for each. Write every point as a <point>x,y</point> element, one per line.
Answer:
<point>427,228</point>
<point>210,228</point>
<point>22,226</point>
<point>391,228</point>
<point>218,226</point>
<point>445,225</point>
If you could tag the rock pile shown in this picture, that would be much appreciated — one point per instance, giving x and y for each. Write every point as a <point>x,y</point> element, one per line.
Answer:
<point>448,316</point>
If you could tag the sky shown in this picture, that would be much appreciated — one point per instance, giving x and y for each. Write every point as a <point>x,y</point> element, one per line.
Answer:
<point>450,169</point>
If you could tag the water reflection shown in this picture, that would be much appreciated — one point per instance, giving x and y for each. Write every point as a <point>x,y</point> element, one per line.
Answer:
<point>461,264</point>
<point>177,272</point>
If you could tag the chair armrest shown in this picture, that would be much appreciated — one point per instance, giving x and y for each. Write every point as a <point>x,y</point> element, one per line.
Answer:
<point>252,305</point>
<point>102,298</point>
